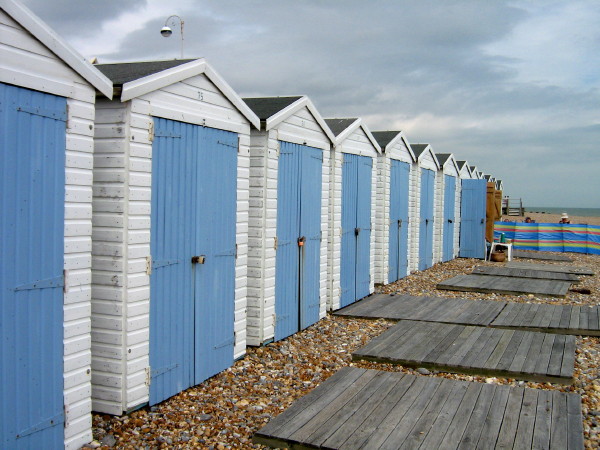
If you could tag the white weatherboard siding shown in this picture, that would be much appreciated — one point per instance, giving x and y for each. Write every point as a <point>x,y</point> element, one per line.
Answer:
<point>382,246</point>
<point>356,144</point>
<point>27,63</point>
<point>450,169</point>
<point>457,200</point>
<point>299,128</point>
<point>438,214</point>
<point>122,201</point>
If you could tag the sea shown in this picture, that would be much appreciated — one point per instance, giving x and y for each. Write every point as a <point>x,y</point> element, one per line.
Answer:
<point>583,212</point>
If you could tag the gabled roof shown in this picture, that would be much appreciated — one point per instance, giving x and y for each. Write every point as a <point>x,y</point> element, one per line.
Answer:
<point>339,125</point>
<point>265,107</point>
<point>421,149</point>
<point>464,165</point>
<point>274,110</point>
<point>140,78</point>
<point>343,128</point>
<point>387,140</point>
<point>121,73</point>
<point>43,33</point>
<point>448,158</point>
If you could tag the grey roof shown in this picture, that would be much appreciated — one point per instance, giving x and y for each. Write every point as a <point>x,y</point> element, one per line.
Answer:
<point>339,125</point>
<point>461,164</point>
<point>442,157</point>
<point>121,73</point>
<point>418,148</point>
<point>487,176</point>
<point>383,138</point>
<point>472,168</point>
<point>265,107</point>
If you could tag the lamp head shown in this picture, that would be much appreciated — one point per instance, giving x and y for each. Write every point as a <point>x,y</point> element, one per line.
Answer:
<point>166,31</point>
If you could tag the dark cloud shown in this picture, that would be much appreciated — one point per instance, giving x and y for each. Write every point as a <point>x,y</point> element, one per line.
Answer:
<point>421,66</point>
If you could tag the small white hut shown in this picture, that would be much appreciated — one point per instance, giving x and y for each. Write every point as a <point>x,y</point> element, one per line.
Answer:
<point>397,201</point>
<point>289,211</point>
<point>352,208</point>
<point>449,213</point>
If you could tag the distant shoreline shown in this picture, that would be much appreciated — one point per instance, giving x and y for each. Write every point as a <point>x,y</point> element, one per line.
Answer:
<point>542,217</point>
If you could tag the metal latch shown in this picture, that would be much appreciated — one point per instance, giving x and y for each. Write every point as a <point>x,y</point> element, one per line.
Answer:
<point>198,259</point>
<point>148,265</point>
<point>356,231</point>
<point>301,241</point>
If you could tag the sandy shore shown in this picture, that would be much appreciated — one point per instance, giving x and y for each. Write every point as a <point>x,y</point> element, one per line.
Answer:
<point>553,218</point>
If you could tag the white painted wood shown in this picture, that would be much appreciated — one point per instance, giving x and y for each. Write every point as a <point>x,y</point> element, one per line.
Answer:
<point>300,125</point>
<point>122,200</point>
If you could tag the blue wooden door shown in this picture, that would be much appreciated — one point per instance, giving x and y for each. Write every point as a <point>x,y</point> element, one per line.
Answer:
<point>398,225</point>
<point>449,219</point>
<point>356,228</point>
<point>32,175</point>
<point>297,269</point>
<point>426,220</point>
<point>472,219</point>
<point>193,215</point>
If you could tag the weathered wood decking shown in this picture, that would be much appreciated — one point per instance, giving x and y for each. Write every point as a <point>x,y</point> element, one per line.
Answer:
<point>359,408</point>
<point>429,309</point>
<point>505,285</point>
<point>524,316</point>
<point>562,319</point>
<point>532,254</point>
<point>526,355</point>
<point>525,273</point>
<point>550,268</point>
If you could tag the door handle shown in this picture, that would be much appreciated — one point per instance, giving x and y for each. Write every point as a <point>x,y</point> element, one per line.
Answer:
<point>482,220</point>
<point>426,221</point>
<point>356,231</point>
<point>399,222</point>
<point>201,259</point>
<point>301,241</point>
<point>450,221</point>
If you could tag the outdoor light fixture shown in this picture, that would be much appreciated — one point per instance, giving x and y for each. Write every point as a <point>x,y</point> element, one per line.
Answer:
<point>166,31</point>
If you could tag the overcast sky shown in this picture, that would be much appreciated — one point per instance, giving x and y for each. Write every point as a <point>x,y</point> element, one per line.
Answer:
<point>513,87</point>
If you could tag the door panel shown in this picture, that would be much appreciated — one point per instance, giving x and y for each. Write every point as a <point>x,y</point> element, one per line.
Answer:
<point>297,273</point>
<point>398,225</point>
<point>472,219</point>
<point>194,180</point>
<point>32,176</point>
<point>449,219</point>
<point>426,220</point>
<point>356,228</point>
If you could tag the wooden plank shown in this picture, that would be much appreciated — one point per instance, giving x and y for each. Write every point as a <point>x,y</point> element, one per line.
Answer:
<point>559,429</point>
<point>462,416</point>
<point>574,422</point>
<point>543,420</point>
<point>525,427</point>
<point>532,254</point>
<point>505,285</point>
<point>550,268</point>
<point>555,364</point>
<point>477,420</point>
<point>506,435</point>
<point>545,353</point>
<point>568,362</point>
<point>493,420</point>
<point>525,273</point>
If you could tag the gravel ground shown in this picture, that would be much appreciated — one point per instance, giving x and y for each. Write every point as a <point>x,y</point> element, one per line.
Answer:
<point>224,411</point>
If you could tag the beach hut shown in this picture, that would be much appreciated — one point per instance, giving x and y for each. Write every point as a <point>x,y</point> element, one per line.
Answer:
<point>447,215</point>
<point>429,195</point>
<point>396,205</point>
<point>170,215</point>
<point>352,209</point>
<point>47,94</point>
<point>475,173</point>
<point>472,213</point>
<point>464,169</point>
<point>289,208</point>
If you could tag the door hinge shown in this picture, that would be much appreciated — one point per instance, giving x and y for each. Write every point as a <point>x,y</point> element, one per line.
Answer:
<point>236,251</point>
<point>151,132</point>
<point>149,265</point>
<point>275,242</point>
<point>65,413</point>
<point>234,338</point>
<point>148,376</point>
<point>238,147</point>
<point>65,284</point>
<point>68,123</point>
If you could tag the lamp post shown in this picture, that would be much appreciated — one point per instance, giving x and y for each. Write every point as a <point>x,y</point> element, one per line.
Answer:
<point>166,30</point>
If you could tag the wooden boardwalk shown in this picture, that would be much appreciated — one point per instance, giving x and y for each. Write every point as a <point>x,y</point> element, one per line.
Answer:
<point>550,268</point>
<point>526,355</point>
<point>523,316</point>
<point>359,408</point>
<point>532,254</point>
<point>505,285</point>
<point>429,309</point>
<point>525,273</point>
<point>563,319</point>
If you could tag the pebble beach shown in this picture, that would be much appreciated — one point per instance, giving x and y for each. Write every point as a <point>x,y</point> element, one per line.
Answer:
<point>224,411</point>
